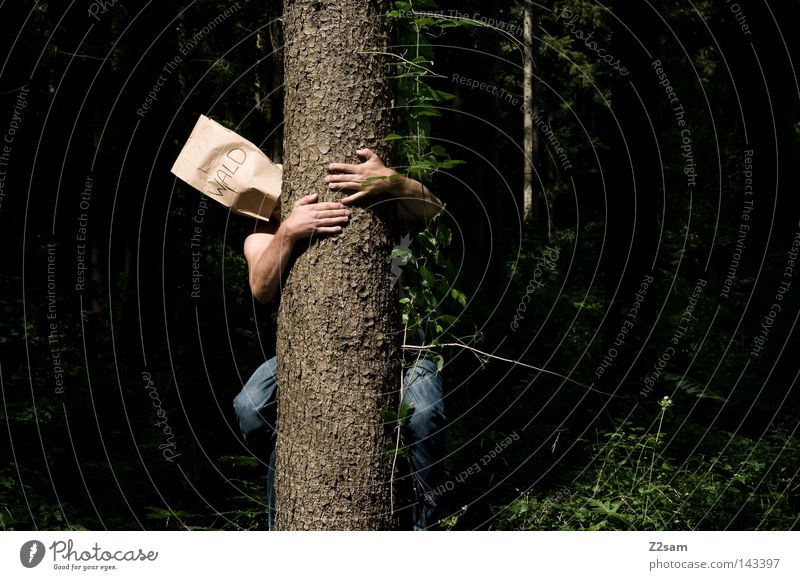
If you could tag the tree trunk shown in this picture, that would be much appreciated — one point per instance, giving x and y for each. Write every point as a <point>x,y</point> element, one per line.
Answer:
<point>527,102</point>
<point>338,315</point>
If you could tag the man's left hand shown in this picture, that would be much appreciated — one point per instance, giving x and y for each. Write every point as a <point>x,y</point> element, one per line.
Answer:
<point>367,178</point>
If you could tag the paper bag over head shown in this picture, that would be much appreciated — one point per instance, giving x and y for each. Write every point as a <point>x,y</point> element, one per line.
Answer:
<point>229,169</point>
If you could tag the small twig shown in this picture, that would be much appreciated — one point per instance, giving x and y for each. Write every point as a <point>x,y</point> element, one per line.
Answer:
<point>653,459</point>
<point>516,362</point>
<point>427,70</point>
<point>8,93</point>
<point>76,55</point>
<point>397,427</point>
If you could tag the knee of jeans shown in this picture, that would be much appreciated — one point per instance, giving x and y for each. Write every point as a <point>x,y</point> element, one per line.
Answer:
<point>258,394</point>
<point>243,406</point>
<point>426,421</point>
<point>255,430</point>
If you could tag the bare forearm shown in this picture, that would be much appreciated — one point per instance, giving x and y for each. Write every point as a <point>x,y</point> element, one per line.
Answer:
<point>416,199</point>
<point>266,275</point>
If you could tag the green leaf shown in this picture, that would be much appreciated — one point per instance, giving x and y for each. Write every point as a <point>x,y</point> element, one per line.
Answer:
<point>424,22</point>
<point>459,296</point>
<point>392,449</point>
<point>405,409</point>
<point>426,274</point>
<point>402,254</point>
<point>454,23</point>
<point>448,319</point>
<point>692,387</point>
<point>443,235</point>
<point>421,60</point>
<point>450,163</point>
<point>444,96</point>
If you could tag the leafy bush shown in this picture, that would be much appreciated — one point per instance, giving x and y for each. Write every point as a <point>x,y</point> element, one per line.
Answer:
<point>634,484</point>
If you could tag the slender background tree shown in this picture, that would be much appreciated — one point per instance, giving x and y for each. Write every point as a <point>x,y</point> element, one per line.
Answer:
<point>527,106</point>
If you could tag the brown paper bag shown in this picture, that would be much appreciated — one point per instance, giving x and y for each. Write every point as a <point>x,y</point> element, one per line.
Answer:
<point>229,169</point>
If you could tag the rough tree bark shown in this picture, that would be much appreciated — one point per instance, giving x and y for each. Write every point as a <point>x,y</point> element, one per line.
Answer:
<point>337,318</point>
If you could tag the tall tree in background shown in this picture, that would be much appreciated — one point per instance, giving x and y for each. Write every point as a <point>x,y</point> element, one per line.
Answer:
<point>527,101</point>
<point>337,316</point>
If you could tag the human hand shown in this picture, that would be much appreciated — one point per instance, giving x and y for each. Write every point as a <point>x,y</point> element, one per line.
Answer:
<point>367,178</point>
<point>309,217</point>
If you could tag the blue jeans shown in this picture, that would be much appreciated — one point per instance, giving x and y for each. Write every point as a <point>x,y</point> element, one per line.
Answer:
<point>423,433</point>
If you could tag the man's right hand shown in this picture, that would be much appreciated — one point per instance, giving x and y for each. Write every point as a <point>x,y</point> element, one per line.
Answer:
<point>311,218</point>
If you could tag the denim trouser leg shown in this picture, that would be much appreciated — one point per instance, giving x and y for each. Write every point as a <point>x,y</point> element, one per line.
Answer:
<point>424,436</point>
<point>255,408</point>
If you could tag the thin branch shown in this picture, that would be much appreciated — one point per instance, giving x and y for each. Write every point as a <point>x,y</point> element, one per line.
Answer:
<point>8,93</point>
<point>397,428</point>
<point>76,55</point>
<point>427,70</point>
<point>516,362</point>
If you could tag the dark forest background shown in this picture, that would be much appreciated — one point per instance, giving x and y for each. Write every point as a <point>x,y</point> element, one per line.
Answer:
<point>632,228</point>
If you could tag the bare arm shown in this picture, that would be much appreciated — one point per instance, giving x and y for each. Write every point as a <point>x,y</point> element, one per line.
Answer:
<point>267,253</point>
<point>416,200</point>
<point>269,248</point>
